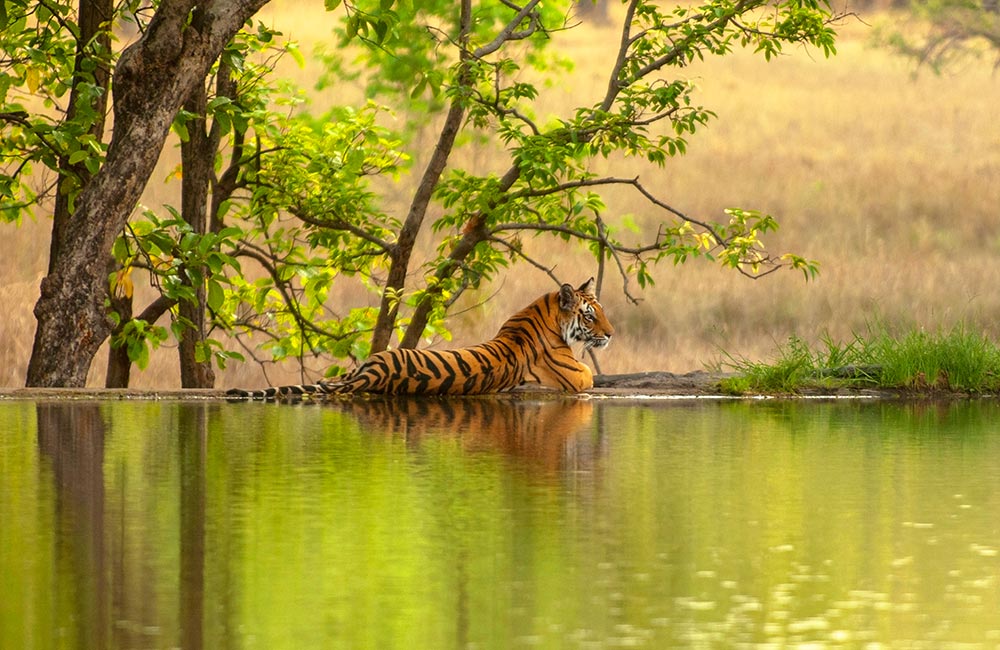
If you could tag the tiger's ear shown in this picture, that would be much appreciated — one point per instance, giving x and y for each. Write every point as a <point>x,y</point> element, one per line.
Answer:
<point>567,297</point>
<point>588,288</point>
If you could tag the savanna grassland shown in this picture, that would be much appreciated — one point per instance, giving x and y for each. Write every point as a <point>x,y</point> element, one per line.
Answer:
<point>888,176</point>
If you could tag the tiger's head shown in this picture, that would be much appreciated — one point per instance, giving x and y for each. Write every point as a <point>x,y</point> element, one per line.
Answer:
<point>581,317</point>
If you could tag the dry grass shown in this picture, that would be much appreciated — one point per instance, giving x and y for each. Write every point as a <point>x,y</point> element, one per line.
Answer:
<point>890,180</point>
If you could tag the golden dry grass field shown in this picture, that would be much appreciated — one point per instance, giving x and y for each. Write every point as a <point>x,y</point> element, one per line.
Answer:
<point>890,179</point>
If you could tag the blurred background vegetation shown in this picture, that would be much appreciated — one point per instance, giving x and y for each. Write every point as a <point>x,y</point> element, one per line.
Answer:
<point>884,170</point>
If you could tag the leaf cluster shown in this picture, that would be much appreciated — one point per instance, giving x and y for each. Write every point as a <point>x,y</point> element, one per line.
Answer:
<point>943,33</point>
<point>42,134</point>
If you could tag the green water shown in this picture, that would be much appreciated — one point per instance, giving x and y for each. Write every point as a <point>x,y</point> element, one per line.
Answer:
<point>499,524</point>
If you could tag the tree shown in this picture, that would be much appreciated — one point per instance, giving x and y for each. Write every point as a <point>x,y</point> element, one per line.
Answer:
<point>296,200</point>
<point>467,62</point>
<point>182,252</point>
<point>954,29</point>
<point>151,80</point>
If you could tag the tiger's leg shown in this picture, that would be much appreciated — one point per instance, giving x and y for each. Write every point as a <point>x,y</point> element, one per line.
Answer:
<point>372,376</point>
<point>561,371</point>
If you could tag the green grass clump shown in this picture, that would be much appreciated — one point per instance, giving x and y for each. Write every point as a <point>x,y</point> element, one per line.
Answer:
<point>956,360</point>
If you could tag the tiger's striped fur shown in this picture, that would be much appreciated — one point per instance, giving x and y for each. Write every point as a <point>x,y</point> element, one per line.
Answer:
<point>532,347</point>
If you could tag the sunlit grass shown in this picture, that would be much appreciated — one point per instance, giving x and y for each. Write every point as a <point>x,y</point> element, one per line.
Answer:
<point>957,359</point>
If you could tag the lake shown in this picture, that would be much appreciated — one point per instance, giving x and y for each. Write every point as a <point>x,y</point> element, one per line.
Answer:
<point>500,523</point>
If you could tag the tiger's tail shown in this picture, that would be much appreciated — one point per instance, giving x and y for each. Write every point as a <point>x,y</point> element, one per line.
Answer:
<point>275,393</point>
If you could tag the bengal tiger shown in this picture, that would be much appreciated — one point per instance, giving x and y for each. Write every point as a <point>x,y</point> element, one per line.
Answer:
<point>532,347</point>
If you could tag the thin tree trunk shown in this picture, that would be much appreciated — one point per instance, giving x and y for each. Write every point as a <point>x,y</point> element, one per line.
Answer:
<point>474,234</point>
<point>399,262</point>
<point>119,369</point>
<point>119,365</point>
<point>93,32</point>
<point>197,158</point>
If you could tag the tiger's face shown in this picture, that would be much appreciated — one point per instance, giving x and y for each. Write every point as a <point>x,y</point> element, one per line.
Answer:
<point>582,317</point>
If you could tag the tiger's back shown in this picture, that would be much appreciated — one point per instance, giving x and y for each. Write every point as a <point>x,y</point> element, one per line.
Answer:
<point>533,346</point>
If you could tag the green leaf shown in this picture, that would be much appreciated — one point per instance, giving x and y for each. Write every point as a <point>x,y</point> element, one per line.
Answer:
<point>78,155</point>
<point>180,128</point>
<point>202,352</point>
<point>216,295</point>
<point>216,102</point>
<point>381,29</point>
<point>296,54</point>
<point>351,29</point>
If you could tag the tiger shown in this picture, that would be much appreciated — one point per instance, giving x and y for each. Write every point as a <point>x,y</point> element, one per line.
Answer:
<point>532,347</point>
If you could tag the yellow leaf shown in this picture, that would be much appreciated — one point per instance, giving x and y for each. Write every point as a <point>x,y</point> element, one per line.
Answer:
<point>122,285</point>
<point>31,77</point>
<point>161,263</point>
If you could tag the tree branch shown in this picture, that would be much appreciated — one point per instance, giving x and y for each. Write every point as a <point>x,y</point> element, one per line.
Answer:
<point>262,258</point>
<point>340,224</point>
<point>509,33</point>
<point>517,250</point>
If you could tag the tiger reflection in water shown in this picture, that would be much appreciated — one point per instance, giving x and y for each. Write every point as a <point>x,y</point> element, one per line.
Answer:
<point>546,432</point>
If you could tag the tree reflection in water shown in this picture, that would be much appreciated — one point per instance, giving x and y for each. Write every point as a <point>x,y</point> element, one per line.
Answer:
<point>115,521</point>
<point>71,438</point>
<point>497,522</point>
<point>91,533</point>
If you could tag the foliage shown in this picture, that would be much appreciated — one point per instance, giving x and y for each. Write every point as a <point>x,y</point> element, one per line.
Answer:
<point>40,129</point>
<point>465,60</point>
<point>947,31</point>
<point>955,360</point>
<point>177,260</point>
<point>299,200</point>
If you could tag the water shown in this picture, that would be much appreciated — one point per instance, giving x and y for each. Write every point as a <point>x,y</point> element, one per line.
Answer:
<point>499,524</point>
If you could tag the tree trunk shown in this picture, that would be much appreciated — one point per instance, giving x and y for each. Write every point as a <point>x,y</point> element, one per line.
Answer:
<point>93,31</point>
<point>475,233</point>
<point>399,262</point>
<point>119,365</point>
<point>402,251</point>
<point>119,369</point>
<point>152,79</point>
<point>197,158</point>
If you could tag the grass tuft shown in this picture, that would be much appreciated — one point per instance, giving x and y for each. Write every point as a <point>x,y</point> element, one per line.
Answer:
<point>957,360</point>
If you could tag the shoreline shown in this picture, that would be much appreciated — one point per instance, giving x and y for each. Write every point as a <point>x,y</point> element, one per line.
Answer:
<point>657,385</point>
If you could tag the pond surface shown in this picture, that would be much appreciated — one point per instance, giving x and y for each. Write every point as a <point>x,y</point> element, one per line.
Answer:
<point>499,524</point>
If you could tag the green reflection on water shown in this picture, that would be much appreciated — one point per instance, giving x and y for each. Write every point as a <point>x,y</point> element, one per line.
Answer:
<point>497,523</point>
